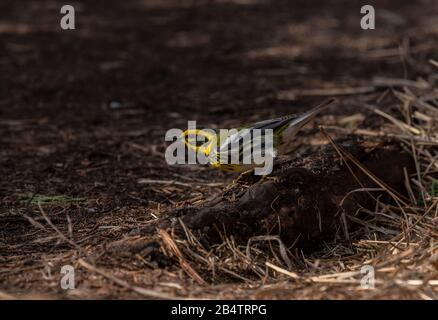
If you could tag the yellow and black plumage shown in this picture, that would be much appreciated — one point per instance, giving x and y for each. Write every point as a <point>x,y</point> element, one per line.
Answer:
<point>217,148</point>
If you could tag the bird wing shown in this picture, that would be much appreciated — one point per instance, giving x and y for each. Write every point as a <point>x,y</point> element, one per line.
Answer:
<point>297,122</point>
<point>243,135</point>
<point>284,128</point>
<point>271,123</point>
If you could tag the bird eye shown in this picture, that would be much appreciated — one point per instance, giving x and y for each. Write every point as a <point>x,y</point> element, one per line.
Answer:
<point>196,142</point>
<point>199,143</point>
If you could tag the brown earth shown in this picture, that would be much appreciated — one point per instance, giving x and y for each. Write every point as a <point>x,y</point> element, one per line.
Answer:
<point>83,115</point>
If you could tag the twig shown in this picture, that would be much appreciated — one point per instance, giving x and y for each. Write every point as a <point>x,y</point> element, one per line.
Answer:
<point>283,251</point>
<point>179,183</point>
<point>71,242</point>
<point>283,271</point>
<point>400,82</point>
<point>433,62</point>
<point>170,244</point>
<point>142,291</point>
<point>293,94</point>
<point>7,296</point>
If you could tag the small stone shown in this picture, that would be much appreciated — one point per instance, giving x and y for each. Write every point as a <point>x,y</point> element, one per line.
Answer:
<point>115,105</point>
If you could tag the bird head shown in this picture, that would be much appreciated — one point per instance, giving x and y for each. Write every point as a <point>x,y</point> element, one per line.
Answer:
<point>191,138</point>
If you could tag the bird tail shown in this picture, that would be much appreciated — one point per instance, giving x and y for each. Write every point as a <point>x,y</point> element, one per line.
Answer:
<point>296,124</point>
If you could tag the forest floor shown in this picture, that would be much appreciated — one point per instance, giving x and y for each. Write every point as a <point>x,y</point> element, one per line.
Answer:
<point>83,116</point>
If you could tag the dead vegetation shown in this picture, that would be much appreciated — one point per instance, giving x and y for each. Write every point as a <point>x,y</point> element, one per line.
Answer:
<point>384,215</point>
<point>89,187</point>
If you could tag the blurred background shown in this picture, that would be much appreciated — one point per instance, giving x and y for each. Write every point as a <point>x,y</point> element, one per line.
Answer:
<point>83,112</point>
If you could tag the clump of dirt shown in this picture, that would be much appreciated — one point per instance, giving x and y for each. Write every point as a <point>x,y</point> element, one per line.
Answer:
<point>304,201</point>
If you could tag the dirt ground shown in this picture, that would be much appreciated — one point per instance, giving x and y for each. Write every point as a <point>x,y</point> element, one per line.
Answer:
<point>83,114</point>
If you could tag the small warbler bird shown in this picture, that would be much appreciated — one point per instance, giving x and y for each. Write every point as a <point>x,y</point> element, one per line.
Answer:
<point>217,146</point>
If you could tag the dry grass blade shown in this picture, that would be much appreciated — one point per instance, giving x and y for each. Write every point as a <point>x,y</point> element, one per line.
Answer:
<point>171,245</point>
<point>403,126</point>
<point>347,155</point>
<point>291,274</point>
<point>391,82</point>
<point>7,296</point>
<point>411,98</point>
<point>61,235</point>
<point>142,291</point>
<point>33,222</point>
<point>283,250</point>
<point>178,183</point>
<point>324,92</point>
<point>433,62</point>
